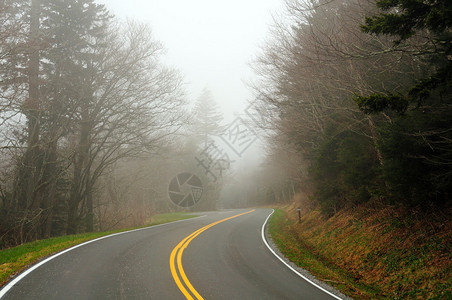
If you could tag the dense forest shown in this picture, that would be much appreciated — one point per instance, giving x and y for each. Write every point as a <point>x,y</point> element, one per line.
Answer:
<point>352,96</point>
<point>90,121</point>
<point>355,100</point>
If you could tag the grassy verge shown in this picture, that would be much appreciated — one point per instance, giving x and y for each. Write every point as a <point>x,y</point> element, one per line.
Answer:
<point>370,253</point>
<point>283,234</point>
<point>16,259</point>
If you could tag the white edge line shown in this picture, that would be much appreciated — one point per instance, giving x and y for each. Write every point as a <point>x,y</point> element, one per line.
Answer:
<point>289,266</point>
<point>19,277</point>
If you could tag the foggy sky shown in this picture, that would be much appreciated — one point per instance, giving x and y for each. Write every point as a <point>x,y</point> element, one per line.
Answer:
<point>211,42</point>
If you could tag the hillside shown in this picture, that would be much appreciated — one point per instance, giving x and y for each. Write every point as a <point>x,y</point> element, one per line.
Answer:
<point>371,251</point>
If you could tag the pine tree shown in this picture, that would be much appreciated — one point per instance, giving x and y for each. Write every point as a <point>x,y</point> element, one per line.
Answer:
<point>63,41</point>
<point>403,19</point>
<point>78,29</point>
<point>417,147</point>
<point>207,118</point>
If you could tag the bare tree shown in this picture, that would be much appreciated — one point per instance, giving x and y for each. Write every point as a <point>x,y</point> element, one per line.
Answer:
<point>132,105</point>
<point>76,97</point>
<point>310,71</point>
<point>316,63</point>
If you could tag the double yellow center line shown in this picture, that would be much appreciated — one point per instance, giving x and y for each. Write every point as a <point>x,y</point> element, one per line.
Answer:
<point>176,258</point>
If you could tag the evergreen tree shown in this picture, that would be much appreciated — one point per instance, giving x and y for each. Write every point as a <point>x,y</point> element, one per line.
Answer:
<point>206,124</point>
<point>416,146</point>
<point>92,92</point>
<point>207,118</point>
<point>78,29</point>
<point>52,55</point>
<point>403,19</point>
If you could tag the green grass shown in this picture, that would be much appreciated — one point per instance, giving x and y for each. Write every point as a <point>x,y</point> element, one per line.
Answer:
<point>16,259</point>
<point>279,229</point>
<point>379,252</point>
<point>282,233</point>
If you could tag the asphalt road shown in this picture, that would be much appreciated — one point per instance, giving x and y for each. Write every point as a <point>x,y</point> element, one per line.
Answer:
<point>228,260</point>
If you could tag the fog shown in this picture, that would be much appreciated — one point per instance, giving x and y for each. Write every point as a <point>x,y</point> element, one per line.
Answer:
<point>111,113</point>
<point>118,114</point>
<point>210,42</point>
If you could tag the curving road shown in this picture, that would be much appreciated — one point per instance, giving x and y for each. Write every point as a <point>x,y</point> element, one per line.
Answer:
<point>224,257</point>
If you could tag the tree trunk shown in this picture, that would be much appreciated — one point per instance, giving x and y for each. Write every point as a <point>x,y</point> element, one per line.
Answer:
<point>90,208</point>
<point>28,178</point>
<point>375,139</point>
<point>51,174</point>
<point>80,181</point>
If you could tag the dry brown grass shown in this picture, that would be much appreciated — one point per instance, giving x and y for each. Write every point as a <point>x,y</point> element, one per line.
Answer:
<point>406,254</point>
